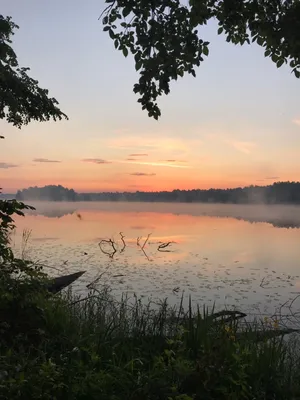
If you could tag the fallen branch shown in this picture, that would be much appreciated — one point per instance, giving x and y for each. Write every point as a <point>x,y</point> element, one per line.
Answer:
<point>143,246</point>
<point>58,284</point>
<point>111,243</point>
<point>123,241</point>
<point>162,247</point>
<point>147,238</point>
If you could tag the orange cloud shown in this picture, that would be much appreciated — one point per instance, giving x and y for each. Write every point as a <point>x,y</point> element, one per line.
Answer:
<point>156,164</point>
<point>4,165</point>
<point>96,161</point>
<point>45,160</point>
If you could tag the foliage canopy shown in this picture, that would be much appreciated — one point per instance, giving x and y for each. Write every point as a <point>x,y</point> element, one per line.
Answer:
<point>21,99</point>
<point>163,37</point>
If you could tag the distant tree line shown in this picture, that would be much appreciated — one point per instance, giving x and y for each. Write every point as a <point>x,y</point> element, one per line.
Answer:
<point>278,193</point>
<point>47,193</point>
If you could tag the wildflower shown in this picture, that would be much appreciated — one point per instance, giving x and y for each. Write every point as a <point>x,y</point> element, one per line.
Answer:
<point>276,323</point>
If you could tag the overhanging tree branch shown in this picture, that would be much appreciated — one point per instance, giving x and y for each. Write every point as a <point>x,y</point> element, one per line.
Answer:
<point>21,99</point>
<point>162,36</point>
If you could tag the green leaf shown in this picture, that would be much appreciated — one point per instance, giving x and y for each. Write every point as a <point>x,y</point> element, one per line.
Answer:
<point>138,65</point>
<point>126,11</point>
<point>106,28</point>
<point>297,73</point>
<point>125,51</point>
<point>116,43</point>
<point>205,50</point>
<point>220,30</point>
<point>280,62</point>
<point>260,41</point>
<point>268,53</point>
<point>111,33</point>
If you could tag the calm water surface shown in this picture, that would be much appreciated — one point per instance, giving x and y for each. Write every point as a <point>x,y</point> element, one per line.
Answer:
<point>243,256</point>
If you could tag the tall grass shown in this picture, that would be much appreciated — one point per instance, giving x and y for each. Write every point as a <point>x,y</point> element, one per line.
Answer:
<point>98,348</point>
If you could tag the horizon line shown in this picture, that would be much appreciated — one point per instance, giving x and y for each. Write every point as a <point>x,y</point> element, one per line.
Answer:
<point>154,191</point>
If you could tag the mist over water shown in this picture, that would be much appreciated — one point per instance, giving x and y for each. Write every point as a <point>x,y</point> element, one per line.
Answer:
<point>287,216</point>
<point>245,256</point>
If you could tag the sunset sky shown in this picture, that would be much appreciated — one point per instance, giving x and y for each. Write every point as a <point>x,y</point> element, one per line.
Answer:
<point>237,123</point>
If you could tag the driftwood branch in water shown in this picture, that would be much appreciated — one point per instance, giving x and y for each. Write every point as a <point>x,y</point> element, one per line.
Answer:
<point>61,282</point>
<point>113,247</point>
<point>163,247</point>
<point>123,241</point>
<point>146,240</point>
<point>142,247</point>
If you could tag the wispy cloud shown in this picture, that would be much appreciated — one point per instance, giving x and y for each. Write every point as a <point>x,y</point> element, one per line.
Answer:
<point>174,161</point>
<point>156,164</point>
<point>296,121</point>
<point>138,155</point>
<point>96,161</point>
<point>243,147</point>
<point>272,178</point>
<point>141,145</point>
<point>135,162</point>
<point>142,174</point>
<point>45,160</point>
<point>5,165</point>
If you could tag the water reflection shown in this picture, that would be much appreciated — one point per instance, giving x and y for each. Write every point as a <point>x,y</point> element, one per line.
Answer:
<point>216,253</point>
<point>287,217</point>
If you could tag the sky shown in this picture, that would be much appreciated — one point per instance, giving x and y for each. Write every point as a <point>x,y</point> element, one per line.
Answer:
<point>237,123</point>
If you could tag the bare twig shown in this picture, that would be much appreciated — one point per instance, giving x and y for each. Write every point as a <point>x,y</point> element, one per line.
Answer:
<point>107,9</point>
<point>142,247</point>
<point>262,283</point>
<point>145,242</point>
<point>97,279</point>
<point>123,241</point>
<point>162,247</point>
<point>112,244</point>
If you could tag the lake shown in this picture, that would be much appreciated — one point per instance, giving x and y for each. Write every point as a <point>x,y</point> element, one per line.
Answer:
<point>244,256</point>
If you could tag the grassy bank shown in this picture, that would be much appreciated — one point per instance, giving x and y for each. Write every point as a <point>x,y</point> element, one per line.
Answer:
<point>64,347</point>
